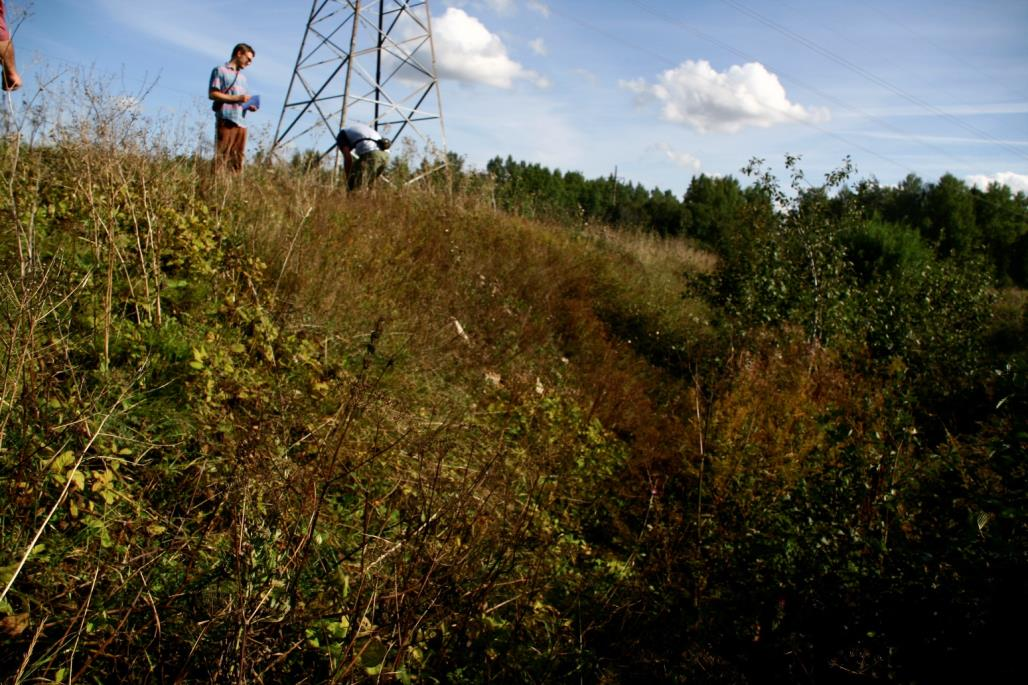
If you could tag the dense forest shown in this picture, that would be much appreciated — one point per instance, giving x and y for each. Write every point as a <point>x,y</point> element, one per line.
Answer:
<point>949,217</point>
<point>527,429</point>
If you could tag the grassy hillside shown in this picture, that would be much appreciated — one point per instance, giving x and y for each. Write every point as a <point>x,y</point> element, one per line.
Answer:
<point>260,430</point>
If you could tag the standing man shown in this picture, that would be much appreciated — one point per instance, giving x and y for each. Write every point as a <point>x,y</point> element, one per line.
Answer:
<point>369,147</point>
<point>11,78</point>
<point>230,95</point>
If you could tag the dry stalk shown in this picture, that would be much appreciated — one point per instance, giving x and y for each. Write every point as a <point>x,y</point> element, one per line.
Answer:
<point>82,623</point>
<point>289,252</point>
<point>28,652</point>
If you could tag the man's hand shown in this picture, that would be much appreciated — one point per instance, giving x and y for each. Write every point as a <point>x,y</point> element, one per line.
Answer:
<point>12,81</point>
<point>10,78</point>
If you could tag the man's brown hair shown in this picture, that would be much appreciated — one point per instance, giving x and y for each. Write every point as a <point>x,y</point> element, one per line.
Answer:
<point>241,46</point>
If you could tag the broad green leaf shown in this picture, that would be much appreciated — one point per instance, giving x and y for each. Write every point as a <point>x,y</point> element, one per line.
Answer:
<point>77,479</point>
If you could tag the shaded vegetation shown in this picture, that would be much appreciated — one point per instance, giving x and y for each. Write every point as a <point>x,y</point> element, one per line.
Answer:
<point>259,430</point>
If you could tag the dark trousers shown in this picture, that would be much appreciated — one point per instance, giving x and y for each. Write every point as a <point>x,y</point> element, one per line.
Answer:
<point>367,168</point>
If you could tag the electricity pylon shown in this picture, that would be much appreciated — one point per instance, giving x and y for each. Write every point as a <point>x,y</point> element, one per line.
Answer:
<point>371,62</point>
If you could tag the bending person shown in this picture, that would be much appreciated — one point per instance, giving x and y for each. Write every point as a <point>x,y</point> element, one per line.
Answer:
<point>370,150</point>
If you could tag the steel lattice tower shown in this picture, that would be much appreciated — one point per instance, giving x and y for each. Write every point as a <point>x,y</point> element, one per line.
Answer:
<point>371,62</point>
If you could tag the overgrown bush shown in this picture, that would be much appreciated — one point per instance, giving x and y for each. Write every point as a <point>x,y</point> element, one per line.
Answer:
<point>261,430</point>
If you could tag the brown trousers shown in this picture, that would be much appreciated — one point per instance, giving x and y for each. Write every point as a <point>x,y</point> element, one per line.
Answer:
<point>229,146</point>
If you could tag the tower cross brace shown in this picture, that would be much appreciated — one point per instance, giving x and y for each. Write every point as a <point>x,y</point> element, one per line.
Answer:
<point>371,61</point>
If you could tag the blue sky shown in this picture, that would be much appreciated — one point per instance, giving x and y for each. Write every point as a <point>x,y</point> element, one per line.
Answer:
<point>661,90</point>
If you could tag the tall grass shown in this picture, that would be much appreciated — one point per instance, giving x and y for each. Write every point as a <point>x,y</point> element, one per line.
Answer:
<point>257,429</point>
<point>254,426</point>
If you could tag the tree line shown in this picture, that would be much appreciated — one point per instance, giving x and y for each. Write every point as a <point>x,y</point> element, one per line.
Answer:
<point>948,217</point>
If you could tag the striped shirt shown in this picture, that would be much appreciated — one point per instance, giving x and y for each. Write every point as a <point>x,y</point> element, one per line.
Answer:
<point>229,81</point>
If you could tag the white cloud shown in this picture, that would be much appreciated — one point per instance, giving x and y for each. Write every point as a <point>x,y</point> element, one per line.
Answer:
<point>970,110</point>
<point>1016,182</point>
<point>540,7</point>
<point>501,6</point>
<point>885,135</point>
<point>682,159</point>
<point>696,95</point>
<point>538,47</point>
<point>161,23</point>
<point>467,51</point>
<point>182,25</point>
<point>586,75</point>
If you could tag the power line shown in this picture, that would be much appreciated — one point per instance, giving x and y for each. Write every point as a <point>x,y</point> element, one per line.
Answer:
<point>746,56</point>
<point>826,96</point>
<point>868,75</point>
<point>942,50</point>
<point>731,48</point>
<point>749,57</point>
<point>614,37</point>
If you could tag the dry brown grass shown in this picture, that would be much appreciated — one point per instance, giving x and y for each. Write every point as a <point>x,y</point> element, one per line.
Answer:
<point>657,253</point>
